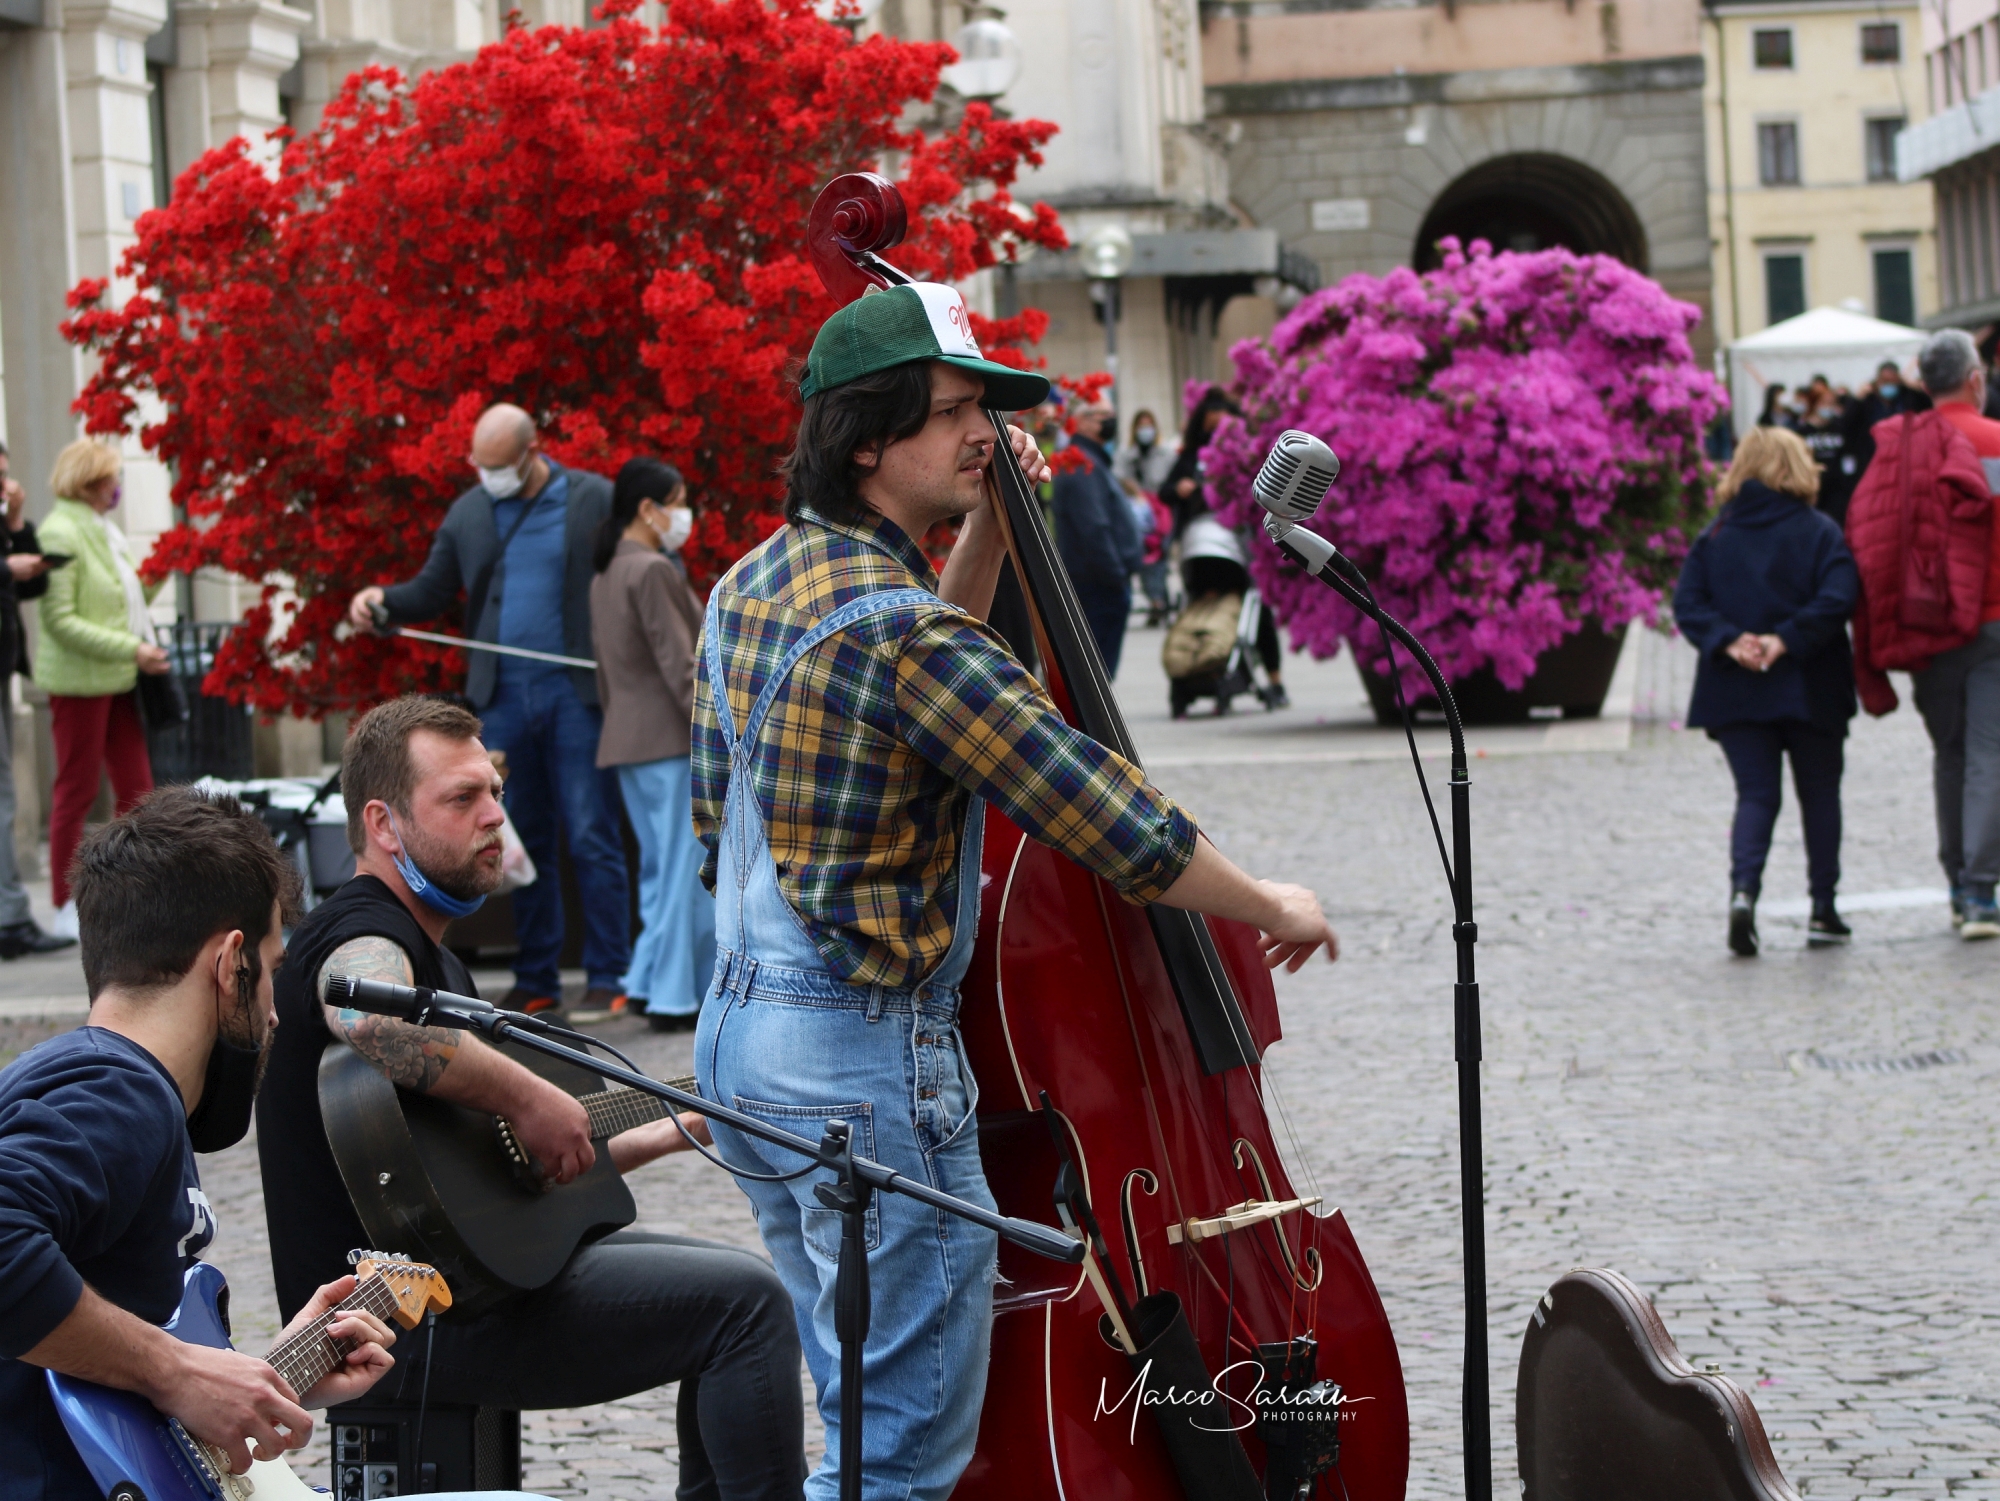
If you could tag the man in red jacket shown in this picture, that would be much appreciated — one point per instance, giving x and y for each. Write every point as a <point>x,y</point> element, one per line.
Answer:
<point>1922,528</point>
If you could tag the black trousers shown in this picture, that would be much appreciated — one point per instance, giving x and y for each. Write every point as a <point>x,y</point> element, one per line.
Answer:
<point>630,1313</point>
<point>1756,754</point>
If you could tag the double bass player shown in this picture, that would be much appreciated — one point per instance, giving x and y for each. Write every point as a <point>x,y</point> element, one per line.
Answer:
<point>854,717</point>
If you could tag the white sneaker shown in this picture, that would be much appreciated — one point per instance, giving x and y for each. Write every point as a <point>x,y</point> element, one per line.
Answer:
<point>64,925</point>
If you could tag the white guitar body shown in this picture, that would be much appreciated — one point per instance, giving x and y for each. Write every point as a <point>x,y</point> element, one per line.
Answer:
<point>268,1480</point>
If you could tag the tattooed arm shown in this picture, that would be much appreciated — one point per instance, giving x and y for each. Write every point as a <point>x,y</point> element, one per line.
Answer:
<point>444,1062</point>
<point>411,1056</point>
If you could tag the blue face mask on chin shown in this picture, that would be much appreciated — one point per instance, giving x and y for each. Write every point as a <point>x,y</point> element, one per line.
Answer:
<point>426,890</point>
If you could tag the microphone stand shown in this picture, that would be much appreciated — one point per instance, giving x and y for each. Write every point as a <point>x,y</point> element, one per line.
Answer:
<point>1324,562</point>
<point>856,1181</point>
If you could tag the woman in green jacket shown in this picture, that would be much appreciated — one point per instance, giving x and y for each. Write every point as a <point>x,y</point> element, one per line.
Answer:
<point>96,639</point>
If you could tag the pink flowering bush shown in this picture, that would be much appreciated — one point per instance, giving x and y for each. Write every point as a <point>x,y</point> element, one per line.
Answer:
<point>1519,438</point>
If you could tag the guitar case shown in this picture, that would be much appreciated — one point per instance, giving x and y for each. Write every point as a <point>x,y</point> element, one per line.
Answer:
<point>1607,1409</point>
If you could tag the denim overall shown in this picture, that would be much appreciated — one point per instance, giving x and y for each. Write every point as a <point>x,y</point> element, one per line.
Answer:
<point>780,1037</point>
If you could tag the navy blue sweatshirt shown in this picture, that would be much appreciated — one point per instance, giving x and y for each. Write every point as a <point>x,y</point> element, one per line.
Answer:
<point>1773,566</point>
<point>97,1185</point>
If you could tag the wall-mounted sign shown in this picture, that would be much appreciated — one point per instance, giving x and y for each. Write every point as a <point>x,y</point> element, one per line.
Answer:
<point>1330,214</point>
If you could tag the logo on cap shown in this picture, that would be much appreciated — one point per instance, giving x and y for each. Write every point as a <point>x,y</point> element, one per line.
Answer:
<point>950,323</point>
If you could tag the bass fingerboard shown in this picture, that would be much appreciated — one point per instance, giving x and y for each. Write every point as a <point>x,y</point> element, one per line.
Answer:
<point>620,1109</point>
<point>306,1358</point>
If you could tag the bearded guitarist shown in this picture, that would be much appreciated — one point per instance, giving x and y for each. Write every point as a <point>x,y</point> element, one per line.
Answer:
<point>628,1313</point>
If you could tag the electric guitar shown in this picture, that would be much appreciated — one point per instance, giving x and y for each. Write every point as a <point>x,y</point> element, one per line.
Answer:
<point>452,1186</point>
<point>136,1454</point>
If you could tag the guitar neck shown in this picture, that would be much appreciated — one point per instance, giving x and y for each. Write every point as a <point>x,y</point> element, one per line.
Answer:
<point>308,1357</point>
<point>615,1110</point>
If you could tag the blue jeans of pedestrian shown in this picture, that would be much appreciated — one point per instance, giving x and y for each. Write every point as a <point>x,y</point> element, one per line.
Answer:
<point>780,1037</point>
<point>555,791</point>
<point>1756,754</point>
<point>674,958</point>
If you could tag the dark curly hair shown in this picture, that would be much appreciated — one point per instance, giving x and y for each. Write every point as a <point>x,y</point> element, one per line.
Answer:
<point>821,474</point>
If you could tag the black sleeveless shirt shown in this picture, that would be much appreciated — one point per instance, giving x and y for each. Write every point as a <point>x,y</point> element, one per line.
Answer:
<point>312,1225</point>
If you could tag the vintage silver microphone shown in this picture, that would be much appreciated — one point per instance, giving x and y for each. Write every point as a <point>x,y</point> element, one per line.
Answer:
<point>1291,486</point>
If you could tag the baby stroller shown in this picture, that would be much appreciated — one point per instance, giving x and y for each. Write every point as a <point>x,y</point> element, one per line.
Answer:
<point>1211,652</point>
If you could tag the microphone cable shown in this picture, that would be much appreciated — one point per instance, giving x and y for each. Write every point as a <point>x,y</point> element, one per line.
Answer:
<point>1375,612</point>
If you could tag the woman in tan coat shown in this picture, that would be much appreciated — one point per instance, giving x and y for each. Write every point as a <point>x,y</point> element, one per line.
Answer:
<point>644,620</point>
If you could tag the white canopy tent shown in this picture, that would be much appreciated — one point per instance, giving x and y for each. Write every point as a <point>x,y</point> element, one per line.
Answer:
<point>1846,347</point>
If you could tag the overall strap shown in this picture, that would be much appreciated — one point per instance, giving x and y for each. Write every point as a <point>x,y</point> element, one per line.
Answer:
<point>718,694</point>
<point>862,608</point>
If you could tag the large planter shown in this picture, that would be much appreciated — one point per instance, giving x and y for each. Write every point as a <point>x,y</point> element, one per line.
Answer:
<point>1573,677</point>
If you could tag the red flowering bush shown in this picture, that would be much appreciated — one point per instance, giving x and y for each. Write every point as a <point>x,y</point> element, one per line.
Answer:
<point>606,227</point>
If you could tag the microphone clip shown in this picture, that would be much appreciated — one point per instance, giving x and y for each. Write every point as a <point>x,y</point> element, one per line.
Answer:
<point>1313,552</point>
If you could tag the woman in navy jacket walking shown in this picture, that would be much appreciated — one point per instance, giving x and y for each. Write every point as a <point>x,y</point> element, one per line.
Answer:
<point>1765,596</point>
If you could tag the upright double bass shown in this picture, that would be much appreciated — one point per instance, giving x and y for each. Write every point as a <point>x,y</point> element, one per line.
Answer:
<point>1224,1340</point>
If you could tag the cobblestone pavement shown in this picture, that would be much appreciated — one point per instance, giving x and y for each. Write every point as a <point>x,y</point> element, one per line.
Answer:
<point>1759,1144</point>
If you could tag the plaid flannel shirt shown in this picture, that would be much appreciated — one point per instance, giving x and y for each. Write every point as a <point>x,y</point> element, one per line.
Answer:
<point>873,749</point>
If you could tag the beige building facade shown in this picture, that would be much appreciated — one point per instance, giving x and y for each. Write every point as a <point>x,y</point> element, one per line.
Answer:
<point>1806,102</point>
<point>1955,153</point>
<point>1363,131</point>
<point>1136,152</point>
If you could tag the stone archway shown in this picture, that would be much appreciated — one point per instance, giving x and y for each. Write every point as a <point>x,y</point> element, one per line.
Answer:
<point>1532,201</point>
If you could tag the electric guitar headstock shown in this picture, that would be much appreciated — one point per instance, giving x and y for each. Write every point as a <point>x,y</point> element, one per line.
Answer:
<point>417,1289</point>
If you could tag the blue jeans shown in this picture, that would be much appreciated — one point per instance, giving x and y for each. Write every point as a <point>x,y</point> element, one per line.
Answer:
<point>781,1038</point>
<point>555,789</point>
<point>1756,754</point>
<point>675,955</point>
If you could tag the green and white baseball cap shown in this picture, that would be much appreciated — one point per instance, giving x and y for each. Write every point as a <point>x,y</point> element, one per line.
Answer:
<point>925,320</point>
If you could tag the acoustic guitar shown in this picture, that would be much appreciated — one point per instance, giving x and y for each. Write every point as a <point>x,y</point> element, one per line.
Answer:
<point>135,1453</point>
<point>452,1186</point>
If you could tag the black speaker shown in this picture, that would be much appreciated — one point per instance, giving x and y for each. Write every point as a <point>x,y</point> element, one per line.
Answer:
<point>464,1449</point>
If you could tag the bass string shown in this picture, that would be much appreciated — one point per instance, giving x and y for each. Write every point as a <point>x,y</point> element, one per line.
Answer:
<point>1296,1161</point>
<point>1013,496</point>
<point>1063,605</point>
<point>1190,1249</point>
<point>1260,1251</point>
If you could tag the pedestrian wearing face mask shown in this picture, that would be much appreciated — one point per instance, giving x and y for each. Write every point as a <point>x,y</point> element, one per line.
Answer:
<point>520,546</point>
<point>1888,395</point>
<point>644,623</point>
<point>1825,430</point>
<point>1142,469</point>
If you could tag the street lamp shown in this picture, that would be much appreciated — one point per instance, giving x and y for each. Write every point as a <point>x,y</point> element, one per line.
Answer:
<point>846,12</point>
<point>989,60</point>
<point>1107,256</point>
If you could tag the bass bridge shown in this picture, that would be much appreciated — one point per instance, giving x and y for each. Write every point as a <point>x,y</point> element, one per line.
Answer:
<point>1238,1217</point>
